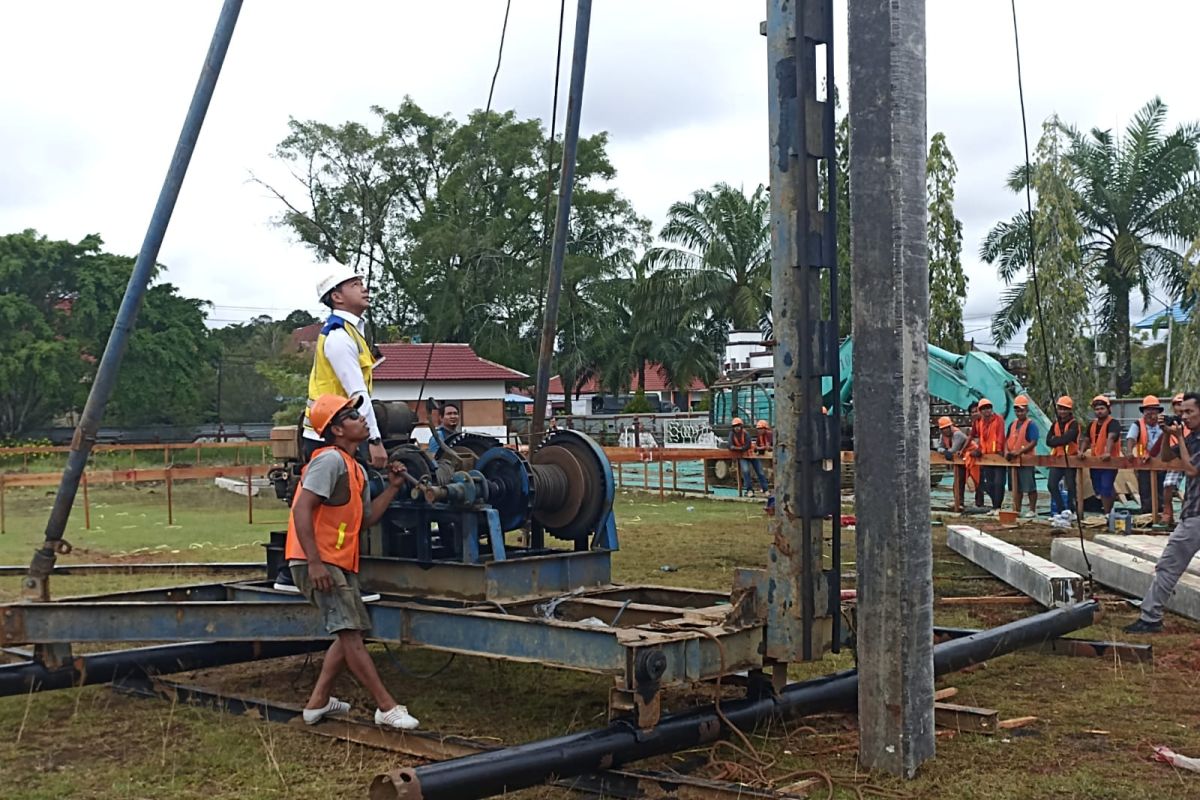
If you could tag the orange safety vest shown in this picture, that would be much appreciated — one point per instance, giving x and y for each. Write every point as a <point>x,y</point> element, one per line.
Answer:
<point>1017,435</point>
<point>1069,449</point>
<point>765,440</point>
<point>1141,448</point>
<point>1099,444</point>
<point>948,438</point>
<point>738,442</point>
<point>335,528</point>
<point>990,435</point>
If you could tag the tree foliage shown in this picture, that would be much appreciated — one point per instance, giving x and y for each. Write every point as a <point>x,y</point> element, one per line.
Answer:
<point>947,281</point>
<point>450,220</point>
<point>1139,207</point>
<point>1056,349</point>
<point>57,306</point>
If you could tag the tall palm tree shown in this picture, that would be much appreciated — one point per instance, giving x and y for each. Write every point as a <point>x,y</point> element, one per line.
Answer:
<point>718,256</point>
<point>1139,205</point>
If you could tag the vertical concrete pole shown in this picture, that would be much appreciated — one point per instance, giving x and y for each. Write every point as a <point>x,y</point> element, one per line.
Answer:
<point>802,607</point>
<point>891,390</point>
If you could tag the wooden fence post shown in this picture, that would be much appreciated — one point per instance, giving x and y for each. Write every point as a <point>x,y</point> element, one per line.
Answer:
<point>87,506</point>
<point>170,497</point>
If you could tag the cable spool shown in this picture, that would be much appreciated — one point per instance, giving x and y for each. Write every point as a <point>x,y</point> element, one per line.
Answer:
<point>572,484</point>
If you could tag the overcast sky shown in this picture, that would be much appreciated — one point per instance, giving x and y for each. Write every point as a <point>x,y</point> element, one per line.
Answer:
<point>94,95</point>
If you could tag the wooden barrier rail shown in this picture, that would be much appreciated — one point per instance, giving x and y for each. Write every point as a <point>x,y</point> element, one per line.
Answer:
<point>166,475</point>
<point>38,449</point>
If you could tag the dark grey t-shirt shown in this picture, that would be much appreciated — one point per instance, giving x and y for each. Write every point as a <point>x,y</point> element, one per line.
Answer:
<point>326,477</point>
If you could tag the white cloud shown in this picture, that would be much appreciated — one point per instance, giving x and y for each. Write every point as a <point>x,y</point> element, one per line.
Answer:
<point>95,93</point>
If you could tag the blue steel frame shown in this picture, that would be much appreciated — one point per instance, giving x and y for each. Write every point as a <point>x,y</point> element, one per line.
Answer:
<point>695,643</point>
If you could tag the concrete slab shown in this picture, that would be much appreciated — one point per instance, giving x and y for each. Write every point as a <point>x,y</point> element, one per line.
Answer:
<point>1126,573</point>
<point>1044,581</point>
<point>1147,547</point>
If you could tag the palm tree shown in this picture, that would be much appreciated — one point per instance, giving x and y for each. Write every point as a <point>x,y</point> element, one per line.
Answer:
<point>718,262</point>
<point>1139,205</point>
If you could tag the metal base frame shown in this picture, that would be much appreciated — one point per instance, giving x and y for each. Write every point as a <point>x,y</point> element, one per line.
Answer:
<point>645,637</point>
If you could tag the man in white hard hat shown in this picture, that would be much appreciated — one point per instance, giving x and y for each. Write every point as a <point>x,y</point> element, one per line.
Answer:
<point>343,361</point>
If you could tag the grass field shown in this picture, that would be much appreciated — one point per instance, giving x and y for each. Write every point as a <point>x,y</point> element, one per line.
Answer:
<point>94,743</point>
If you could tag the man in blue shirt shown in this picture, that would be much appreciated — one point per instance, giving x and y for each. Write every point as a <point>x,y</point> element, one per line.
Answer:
<point>451,418</point>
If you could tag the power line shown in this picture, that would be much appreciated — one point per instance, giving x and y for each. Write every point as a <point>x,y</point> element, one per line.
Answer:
<point>1037,293</point>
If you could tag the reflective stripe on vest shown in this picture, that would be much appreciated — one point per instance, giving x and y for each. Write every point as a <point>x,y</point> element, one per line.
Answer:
<point>335,528</point>
<point>1017,435</point>
<point>1070,448</point>
<point>1099,444</point>
<point>1140,448</point>
<point>322,379</point>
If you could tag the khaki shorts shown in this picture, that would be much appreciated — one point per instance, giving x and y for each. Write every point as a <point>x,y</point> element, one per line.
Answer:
<point>343,608</point>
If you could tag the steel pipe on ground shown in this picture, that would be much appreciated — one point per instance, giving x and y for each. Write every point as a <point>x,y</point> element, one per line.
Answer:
<point>520,767</point>
<point>33,676</point>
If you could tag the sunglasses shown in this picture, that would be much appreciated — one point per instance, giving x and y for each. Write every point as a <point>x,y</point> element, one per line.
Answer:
<point>345,415</point>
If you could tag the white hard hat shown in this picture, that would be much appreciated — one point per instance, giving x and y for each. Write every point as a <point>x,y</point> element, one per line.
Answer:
<point>334,279</point>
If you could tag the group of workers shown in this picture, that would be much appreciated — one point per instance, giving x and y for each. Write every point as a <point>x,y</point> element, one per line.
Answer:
<point>744,447</point>
<point>1100,441</point>
<point>333,502</point>
<point>1172,439</point>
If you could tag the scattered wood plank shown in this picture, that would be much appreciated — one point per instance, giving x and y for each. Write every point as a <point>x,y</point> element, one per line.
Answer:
<point>988,600</point>
<point>1016,722</point>
<point>967,719</point>
<point>945,694</point>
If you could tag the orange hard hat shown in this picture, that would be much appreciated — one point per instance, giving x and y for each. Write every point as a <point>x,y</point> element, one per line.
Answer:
<point>945,422</point>
<point>1177,398</point>
<point>1102,400</point>
<point>737,421</point>
<point>983,401</point>
<point>762,423</point>
<point>329,406</point>
<point>1021,402</point>
<point>1150,401</point>
<point>1065,402</point>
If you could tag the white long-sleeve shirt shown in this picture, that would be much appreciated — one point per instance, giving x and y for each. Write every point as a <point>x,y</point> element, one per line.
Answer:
<point>342,354</point>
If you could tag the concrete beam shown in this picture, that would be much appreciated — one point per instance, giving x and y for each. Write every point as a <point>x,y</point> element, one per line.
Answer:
<point>886,40</point>
<point>1147,547</point>
<point>1128,574</point>
<point>1044,581</point>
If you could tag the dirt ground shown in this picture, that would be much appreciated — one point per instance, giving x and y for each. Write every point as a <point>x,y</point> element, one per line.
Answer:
<point>1097,719</point>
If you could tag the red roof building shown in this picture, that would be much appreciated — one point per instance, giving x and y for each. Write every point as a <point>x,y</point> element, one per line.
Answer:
<point>656,381</point>
<point>440,362</point>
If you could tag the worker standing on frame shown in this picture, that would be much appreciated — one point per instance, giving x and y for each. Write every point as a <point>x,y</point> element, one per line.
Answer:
<point>343,361</point>
<point>332,506</point>
<point>987,439</point>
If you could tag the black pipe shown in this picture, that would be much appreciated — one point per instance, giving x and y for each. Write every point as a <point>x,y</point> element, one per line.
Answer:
<point>520,767</point>
<point>33,676</point>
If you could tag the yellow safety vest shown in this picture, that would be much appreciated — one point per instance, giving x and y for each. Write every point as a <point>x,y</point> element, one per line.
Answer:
<point>322,379</point>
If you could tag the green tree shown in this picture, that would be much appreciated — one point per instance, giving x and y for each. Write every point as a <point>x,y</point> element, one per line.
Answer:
<point>1186,337</point>
<point>1139,206</point>
<point>718,258</point>
<point>247,394</point>
<point>41,365</point>
<point>947,282</point>
<point>59,303</point>
<point>1056,337</point>
<point>449,218</point>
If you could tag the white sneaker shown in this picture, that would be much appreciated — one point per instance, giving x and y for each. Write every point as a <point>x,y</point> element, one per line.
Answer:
<point>314,715</point>
<point>398,717</point>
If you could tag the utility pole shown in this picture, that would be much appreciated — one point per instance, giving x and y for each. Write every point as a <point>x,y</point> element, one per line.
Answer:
<point>803,615</point>
<point>891,388</point>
